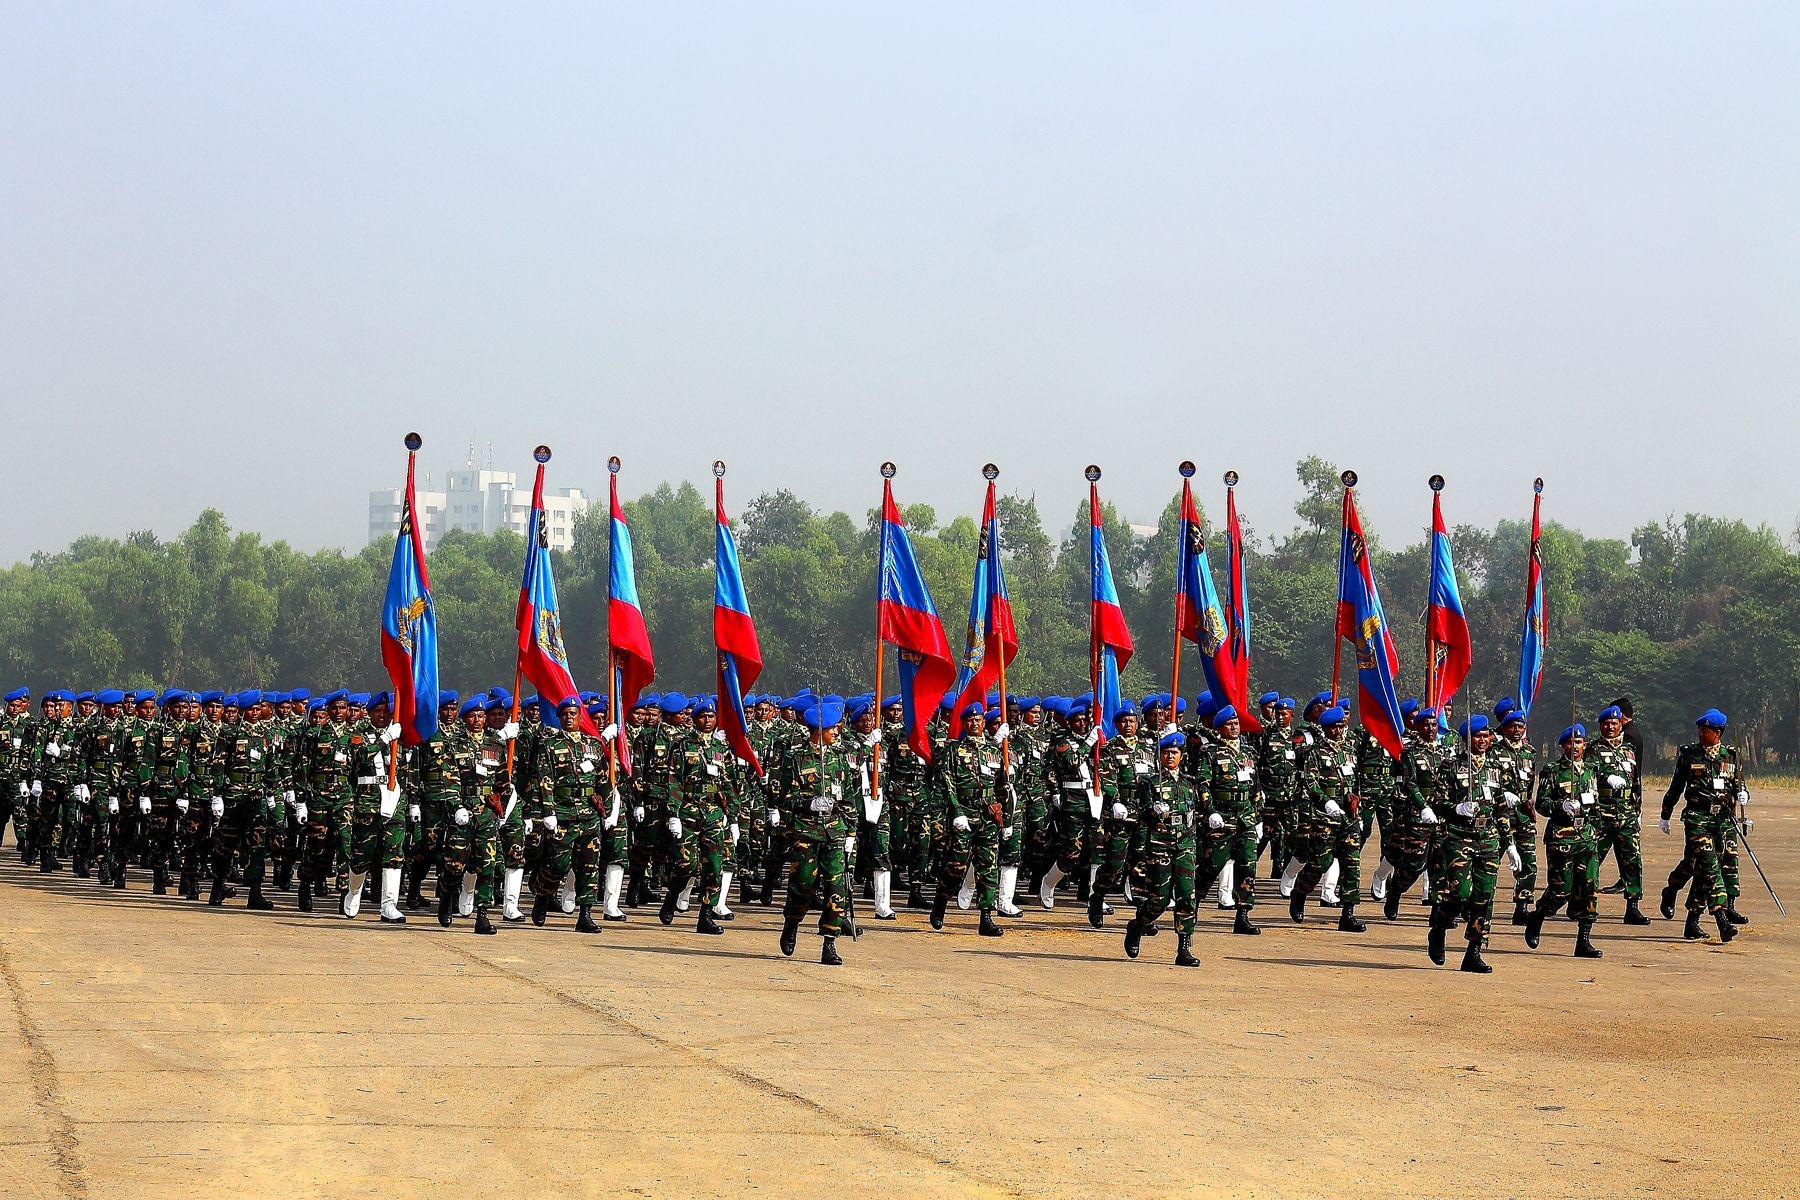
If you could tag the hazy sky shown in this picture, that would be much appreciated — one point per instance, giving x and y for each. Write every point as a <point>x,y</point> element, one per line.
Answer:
<point>245,246</point>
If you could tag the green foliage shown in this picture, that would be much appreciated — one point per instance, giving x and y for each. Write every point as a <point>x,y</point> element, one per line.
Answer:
<point>1687,614</point>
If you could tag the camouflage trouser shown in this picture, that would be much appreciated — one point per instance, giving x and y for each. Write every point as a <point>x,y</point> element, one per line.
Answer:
<point>1525,837</point>
<point>19,812</point>
<point>816,880</point>
<point>1703,861</point>
<point>573,845</point>
<point>700,855</point>
<point>52,819</point>
<point>162,823</point>
<point>1405,845</point>
<point>196,836</point>
<point>286,838</point>
<point>649,839</point>
<point>90,841</point>
<point>1277,820</point>
<point>243,834</point>
<point>977,846</point>
<point>1619,832</point>
<point>1115,840</point>
<point>1463,878</point>
<point>1573,875</point>
<point>874,843</point>
<point>1235,844</point>
<point>1072,840</point>
<point>474,847</point>
<point>1321,839</point>
<point>1376,810</point>
<point>375,841</point>
<point>924,831</point>
<point>1040,832</point>
<point>1168,880</point>
<point>326,831</point>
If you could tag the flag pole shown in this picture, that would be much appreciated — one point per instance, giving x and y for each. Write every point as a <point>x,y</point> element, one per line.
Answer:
<point>413,442</point>
<point>542,456</point>
<point>1436,483</point>
<point>887,494</point>
<point>1186,469</point>
<point>613,715</point>
<point>1348,479</point>
<point>991,472</point>
<point>1094,520</point>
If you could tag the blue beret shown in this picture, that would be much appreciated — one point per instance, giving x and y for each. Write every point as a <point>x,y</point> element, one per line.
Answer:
<point>600,704</point>
<point>1573,731</point>
<point>168,697</point>
<point>472,704</point>
<point>1228,713</point>
<point>1712,718</point>
<point>1474,723</point>
<point>500,694</point>
<point>300,694</point>
<point>672,702</point>
<point>80,696</point>
<point>994,716</point>
<point>1504,705</point>
<point>973,709</point>
<point>1080,706</point>
<point>18,694</point>
<point>823,715</point>
<point>1323,699</point>
<point>496,704</point>
<point>231,700</point>
<point>1612,712</point>
<point>1427,713</point>
<point>1408,707</point>
<point>1286,702</point>
<point>359,699</point>
<point>1268,698</point>
<point>1126,709</point>
<point>1172,738</point>
<point>570,701</point>
<point>248,698</point>
<point>111,696</point>
<point>890,701</point>
<point>275,697</point>
<point>446,698</point>
<point>1335,715</point>
<point>1029,702</point>
<point>315,704</point>
<point>1511,715</point>
<point>212,697</point>
<point>334,697</point>
<point>704,704</point>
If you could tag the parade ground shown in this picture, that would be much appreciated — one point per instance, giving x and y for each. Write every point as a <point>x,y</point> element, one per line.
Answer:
<point>151,1045</point>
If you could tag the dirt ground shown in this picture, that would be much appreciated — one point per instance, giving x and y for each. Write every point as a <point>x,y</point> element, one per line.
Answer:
<point>150,1044</point>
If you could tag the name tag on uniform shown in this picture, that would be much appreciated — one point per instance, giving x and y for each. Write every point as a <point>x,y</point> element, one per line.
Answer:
<point>1588,797</point>
<point>340,756</point>
<point>1289,755</point>
<point>1718,785</point>
<point>712,768</point>
<point>256,756</point>
<point>1347,770</point>
<point>17,743</point>
<point>481,770</point>
<point>1143,768</point>
<point>587,766</point>
<point>1245,775</point>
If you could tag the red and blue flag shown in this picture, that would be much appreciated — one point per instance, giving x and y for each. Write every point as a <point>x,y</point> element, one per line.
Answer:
<point>1109,640</point>
<point>1202,618</point>
<point>1237,616</point>
<point>906,619</point>
<point>992,641</point>
<point>1446,628</point>
<point>409,628</point>
<point>1360,619</point>
<point>542,658</point>
<point>627,637</point>
<point>734,635</point>
<point>1532,641</point>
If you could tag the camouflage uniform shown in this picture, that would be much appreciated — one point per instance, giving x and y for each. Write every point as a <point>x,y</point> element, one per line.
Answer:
<point>1708,780</point>
<point>816,839</point>
<point>1277,775</point>
<point>703,801</point>
<point>1227,789</point>
<point>54,775</point>
<point>247,774</point>
<point>1328,776</point>
<point>1517,763</point>
<point>1167,807</point>
<point>1468,863</point>
<point>977,797</point>
<point>568,766</point>
<point>325,751</point>
<point>1619,816</point>
<point>1124,763</point>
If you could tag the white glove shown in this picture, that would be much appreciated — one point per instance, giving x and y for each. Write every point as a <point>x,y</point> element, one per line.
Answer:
<point>1006,831</point>
<point>461,816</point>
<point>1510,799</point>
<point>675,826</point>
<point>772,818</point>
<point>391,734</point>
<point>300,812</point>
<point>81,792</point>
<point>1002,732</point>
<point>390,801</point>
<point>24,790</point>
<point>509,731</point>
<point>1514,863</point>
<point>872,738</point>
<point>413,813</point>
<point>1259,832</point>
<point>181,805</point>
<point>850,846</point>
<point>287,797</point>
<point>1743,797</point>
<point>550,821</point>
<point>734,831</point>
<point>1427,817</point>
<point>1334,809</point>
<point>144,805</point>
<point>1215,821</point>
<point>1663,825</point>
<point>1466,809</point>
<point>1571,806</point>
<point>53,749</point>
<point>274,802</point>
<point>218,806</point>
<point>1056,801</point>
<point>610,732</point>
<point>1617,783</point>
<point>1119,811</point>
<point>637,814</point>
<point>823,804</point>
<point>37,788</point>
<point>960,824</point>
<point>1161,808</point>
<point>1093,738</point>
<point>112,804</point>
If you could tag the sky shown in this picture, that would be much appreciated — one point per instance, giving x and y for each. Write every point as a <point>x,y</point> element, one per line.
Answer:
<point>244,247</point>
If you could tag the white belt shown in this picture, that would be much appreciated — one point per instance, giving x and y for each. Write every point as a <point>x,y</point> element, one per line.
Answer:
<point>1074,787</point>
<point>367,780</point>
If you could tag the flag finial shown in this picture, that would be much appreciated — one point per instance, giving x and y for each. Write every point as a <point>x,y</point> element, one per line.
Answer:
<point>1186,469</point>
<point>1231,478</point>
<point>1537,485</point>
<point>888,470</point>
<point>1348,478</point>
<point>1436,482</point>
<point>541,454</point>
<point>1092,473</point>
<point>718,468</point>
<point>414,441</point>
<point>612,464</point>
<point>990,472</point>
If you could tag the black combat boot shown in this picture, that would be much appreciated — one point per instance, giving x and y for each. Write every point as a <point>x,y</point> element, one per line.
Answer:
<point>81,866</point>
<point>1242,924</point>
<point>217,898</point>
<point>1727,930</point>
<point>744,890</point>
<point>1534,926</point>
<point>118,879</point>
<point>829,955</point>
<point>47,862</point>
<point>1081,887</point>
<point>1668,903</point>
<point>159,880</point>
<point>1096,908</point>
<point>449,887</point>
<point>708,923</point>
<point>415,893</point>
<point>284,877</point>
<point>1521,911</point>
<point>1349,922</point>
<point>915,895</point>
<point>1691,931</point>
<point>1134,937</point>
<point>988,926</point>
<point>768,889</point>
<point>1734,916</point>
<point>584,922</point>
<point>1434,944</point>
<point>790,936</point>
<point>666,914</point>
<point>1473,962</point>
<point>540,910</point>
<point>258,900</point>
<point>105,872</point>
<point>938,904</point>
<point>304,901</point>
<point>1584,942</point>
<point>1635,915</point>
<point>1297,906</point>
<point>1184,956</point>
<point>482,924</point>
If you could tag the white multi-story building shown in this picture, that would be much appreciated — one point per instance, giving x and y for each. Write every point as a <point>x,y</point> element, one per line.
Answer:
<point>478,499</point>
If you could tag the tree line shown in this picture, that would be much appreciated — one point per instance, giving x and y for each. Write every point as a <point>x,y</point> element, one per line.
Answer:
<point>1685,615</point>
